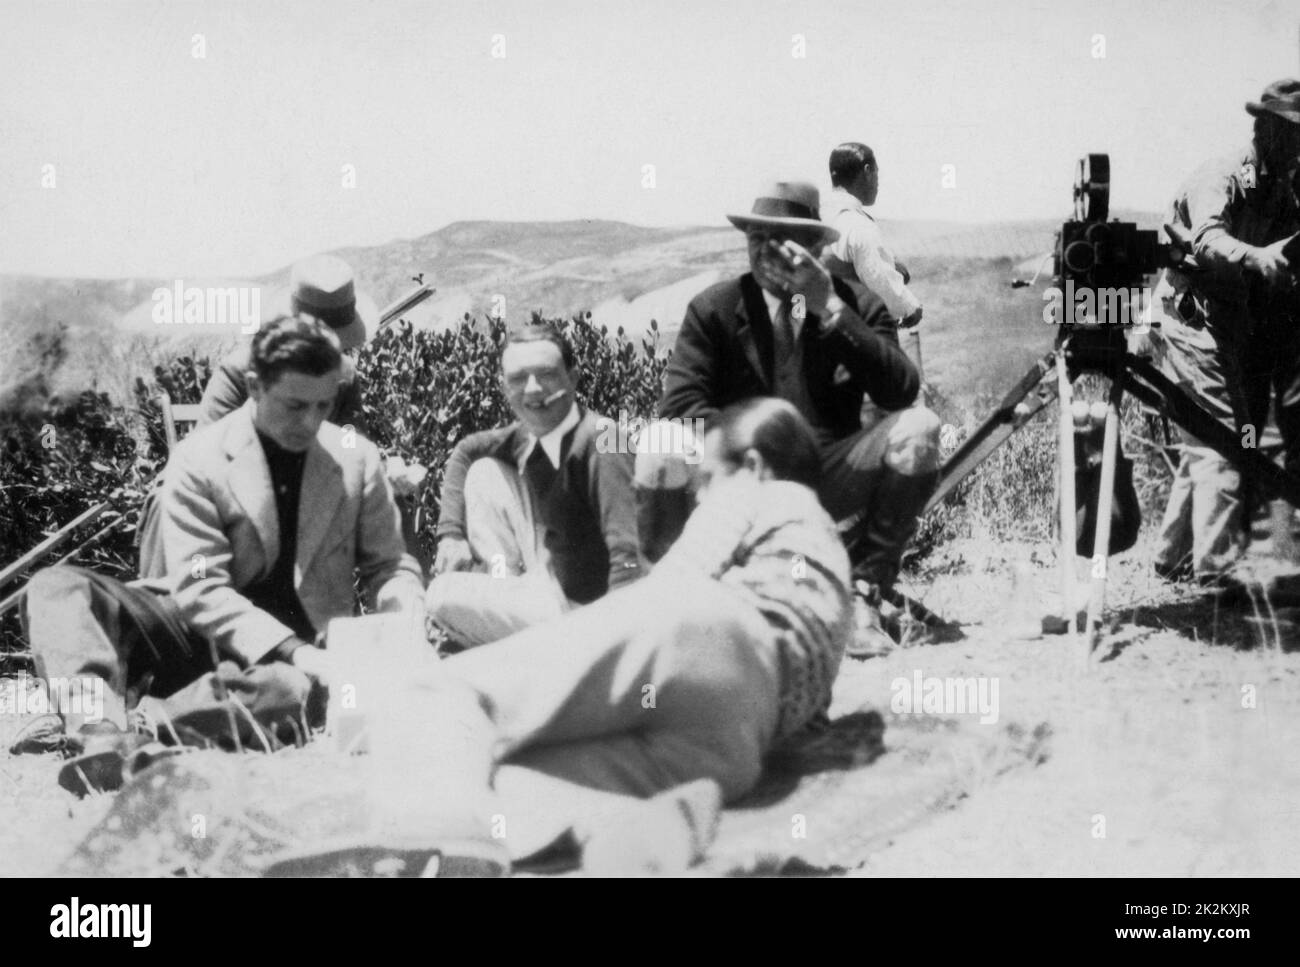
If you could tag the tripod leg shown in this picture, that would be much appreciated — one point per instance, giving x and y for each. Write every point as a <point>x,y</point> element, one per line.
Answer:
<point>1017,408</point>
<point>1065,466</point>
<point>1106,498</point>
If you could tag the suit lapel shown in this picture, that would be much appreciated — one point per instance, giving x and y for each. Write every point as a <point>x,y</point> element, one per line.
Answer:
<point>754,329</point>
<point>250,481</point>
<point>322,491</point>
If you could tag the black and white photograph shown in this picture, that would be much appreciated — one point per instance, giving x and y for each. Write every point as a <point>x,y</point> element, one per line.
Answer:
<point>709,439</point>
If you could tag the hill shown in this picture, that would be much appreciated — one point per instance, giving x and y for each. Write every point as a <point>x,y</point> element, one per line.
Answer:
<point>978,331</point>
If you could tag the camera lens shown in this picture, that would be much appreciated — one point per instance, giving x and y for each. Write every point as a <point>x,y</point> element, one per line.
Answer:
<point>1078,257</point>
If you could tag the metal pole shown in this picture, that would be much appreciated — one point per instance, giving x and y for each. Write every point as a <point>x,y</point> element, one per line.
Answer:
<point>1105,500</point>
<point>1065,465</point>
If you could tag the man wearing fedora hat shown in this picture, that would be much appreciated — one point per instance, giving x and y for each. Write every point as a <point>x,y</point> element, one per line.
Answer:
<point>787,328</point>
<point>1228,329</point>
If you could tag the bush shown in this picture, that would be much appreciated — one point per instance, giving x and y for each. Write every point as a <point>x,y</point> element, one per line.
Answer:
<point>423,391</point>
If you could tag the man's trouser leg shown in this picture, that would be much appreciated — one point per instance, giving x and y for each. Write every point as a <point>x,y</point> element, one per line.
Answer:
<point>1282,338</point>
<point>653,685</point>
<point>875,485</point>
<point>84,625</point>
<point>1200,358</point>
<point>517,589</point>
<point>81,624</point>
<point>1174,548</point>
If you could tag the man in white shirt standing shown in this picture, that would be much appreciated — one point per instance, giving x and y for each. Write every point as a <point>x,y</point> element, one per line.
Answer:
<point>860,253</point>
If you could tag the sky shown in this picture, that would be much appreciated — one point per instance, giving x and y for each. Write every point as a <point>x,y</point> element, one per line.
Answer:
<point>230,138</point>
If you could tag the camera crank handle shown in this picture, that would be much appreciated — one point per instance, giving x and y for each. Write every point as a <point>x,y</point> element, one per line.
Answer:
<point>1021,283</point>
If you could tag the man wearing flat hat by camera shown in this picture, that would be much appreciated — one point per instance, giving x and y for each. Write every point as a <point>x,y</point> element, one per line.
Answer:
<point>787,328</point>
<point>320,286</point>
<point>1228,328</point>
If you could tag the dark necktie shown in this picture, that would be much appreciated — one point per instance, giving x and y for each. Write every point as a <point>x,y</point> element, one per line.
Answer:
<point>539,471</point>
<point>783,333</point>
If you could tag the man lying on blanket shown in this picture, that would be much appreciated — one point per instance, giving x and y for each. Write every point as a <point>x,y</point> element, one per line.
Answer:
<point>627,723</point>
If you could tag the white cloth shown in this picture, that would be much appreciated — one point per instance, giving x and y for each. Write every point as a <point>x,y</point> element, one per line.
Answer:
<point>862,246</point>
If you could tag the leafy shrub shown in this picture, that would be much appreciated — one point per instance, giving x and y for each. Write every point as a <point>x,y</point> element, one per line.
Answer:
<point>423,391</point>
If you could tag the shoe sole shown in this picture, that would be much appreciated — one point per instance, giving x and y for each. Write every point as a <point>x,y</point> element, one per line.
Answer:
<point>451,858</point>
<point>94,772</point>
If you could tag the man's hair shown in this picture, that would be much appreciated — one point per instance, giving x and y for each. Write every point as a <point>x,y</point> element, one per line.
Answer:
<point>774,428</point>
<point>294,343</point>
<point>541,330</point>
<point>1271,138</point>
<point>848,160</point>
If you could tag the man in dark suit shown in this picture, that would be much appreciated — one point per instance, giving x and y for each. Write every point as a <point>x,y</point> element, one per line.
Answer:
<point>788,329</point>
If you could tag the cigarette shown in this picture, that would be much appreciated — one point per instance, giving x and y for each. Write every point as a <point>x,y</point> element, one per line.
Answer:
<point>554,396</point>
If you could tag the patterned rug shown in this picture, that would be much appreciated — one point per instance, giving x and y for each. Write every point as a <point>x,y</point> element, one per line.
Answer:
<point>825,804</point>
<point>830,800</point>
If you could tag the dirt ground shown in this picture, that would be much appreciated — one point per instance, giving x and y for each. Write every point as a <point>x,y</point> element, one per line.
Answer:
<point>1174,754</point>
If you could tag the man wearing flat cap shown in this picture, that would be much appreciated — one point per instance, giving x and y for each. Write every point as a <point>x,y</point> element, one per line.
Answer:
<point>321,286</point>
<point>1228,330</point>
<point>788,329</point>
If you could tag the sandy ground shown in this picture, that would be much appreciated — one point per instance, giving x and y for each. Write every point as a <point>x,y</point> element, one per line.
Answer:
<point>1172,755</point>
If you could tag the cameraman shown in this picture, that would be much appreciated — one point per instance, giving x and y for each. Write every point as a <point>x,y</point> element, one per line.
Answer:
<point>1225,335</point>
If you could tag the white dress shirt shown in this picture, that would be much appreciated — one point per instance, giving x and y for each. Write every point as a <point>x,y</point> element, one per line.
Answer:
<point>552,441</point>
<point>862,246</point>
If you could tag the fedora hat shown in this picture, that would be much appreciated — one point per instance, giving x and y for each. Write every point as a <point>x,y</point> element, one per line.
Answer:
<point>786,204</point>
<point>323,286</point>
<point>1281,98</point>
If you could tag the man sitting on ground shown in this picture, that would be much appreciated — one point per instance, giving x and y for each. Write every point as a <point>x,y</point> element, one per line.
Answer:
<point>267,517</point>
<point>535,519</point>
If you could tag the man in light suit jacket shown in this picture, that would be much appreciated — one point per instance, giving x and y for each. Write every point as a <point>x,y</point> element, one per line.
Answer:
<point>267,516</point>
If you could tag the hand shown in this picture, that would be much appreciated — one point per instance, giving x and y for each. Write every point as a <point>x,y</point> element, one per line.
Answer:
<point>405,479</point>
<point>797,271</point>
<point>1269,262</point>
<point>314,662</point>
<point>453,554</point>
<point>912,320</point>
